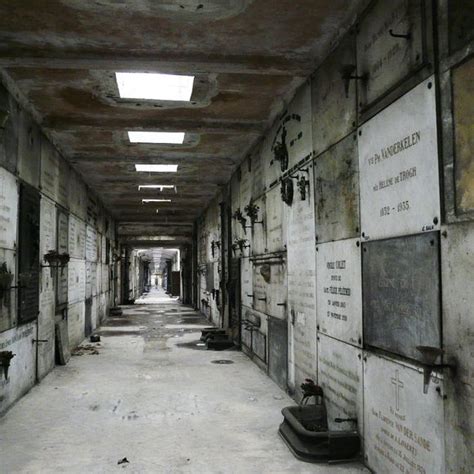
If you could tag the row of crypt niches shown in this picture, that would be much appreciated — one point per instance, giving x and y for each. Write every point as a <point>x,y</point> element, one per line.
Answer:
<point>362,230</point>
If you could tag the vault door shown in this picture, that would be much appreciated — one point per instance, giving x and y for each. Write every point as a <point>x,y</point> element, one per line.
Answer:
<point>234,299</point>
<point>28,254</point>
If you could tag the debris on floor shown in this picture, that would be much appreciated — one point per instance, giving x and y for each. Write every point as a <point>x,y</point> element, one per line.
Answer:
<point>87,349</point>
<point>124,461</point>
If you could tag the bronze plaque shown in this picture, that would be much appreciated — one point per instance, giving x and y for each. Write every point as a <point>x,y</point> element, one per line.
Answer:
<point>337,192</point>
<point>334,96</point>
<point>401,293</point>
<point>463,105</point>
<point>389,47</point>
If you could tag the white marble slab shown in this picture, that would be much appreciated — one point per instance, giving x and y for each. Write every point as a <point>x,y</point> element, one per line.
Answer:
<point>398,162</point>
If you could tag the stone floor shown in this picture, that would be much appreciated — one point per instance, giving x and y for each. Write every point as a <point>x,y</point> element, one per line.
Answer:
<point>152,395</point>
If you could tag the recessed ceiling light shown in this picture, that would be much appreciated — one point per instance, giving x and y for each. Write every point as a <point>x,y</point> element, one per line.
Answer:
<point>145,201</point>
<point>152,86</point>
<point>157,168</point>
<point>156,186</point>
<point>156,137</point>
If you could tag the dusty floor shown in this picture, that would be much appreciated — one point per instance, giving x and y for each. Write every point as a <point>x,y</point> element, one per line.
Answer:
<point>154,396</point>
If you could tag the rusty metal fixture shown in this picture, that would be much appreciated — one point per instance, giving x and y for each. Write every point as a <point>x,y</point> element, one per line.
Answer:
<point>406,36</point>
<point>280,152</point>
<point>287,191</point>
<point>5,360</point>
<point>252,211</point>
<point>348,76</point>
<point>429,355</point>
<point>238,216</point>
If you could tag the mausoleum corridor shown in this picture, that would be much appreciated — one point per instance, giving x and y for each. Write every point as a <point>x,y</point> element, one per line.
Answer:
<point>151,393</point>
<point>237,236</point>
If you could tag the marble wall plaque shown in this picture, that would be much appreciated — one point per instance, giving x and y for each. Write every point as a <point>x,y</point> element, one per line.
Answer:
<point>403,426</point>
<point>8,209</point>
<point>278,351</point>
<point>8,313</point>
<point>269,288</point>
<point>29,150</point>
<point>47,243</point>
<point>246,282</point>
<point>77,196</point>
<point>339,290</point>
<point>62,235</point>
<point>91,244</point>
<point>336,182</point>
<point>385,60</point>
<point>398,162</point>
<point>76,280</point>
<point>457,274</point>
<point>340,374</point>
<point>401,293</point>
<point>259,345</point>
<point>463,110</point>
<point>49,169</point>
<point>76,323</point>
<point>77,237</point>
<point>301,289</point>
<point>275,221</point>
<point>334,96</point>
<point>105,274</point>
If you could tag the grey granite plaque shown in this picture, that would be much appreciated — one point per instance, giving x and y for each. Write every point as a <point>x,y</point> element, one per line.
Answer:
<point>385,54</point>
<point>398,162</point>
<point>334,96</point>
<point>403,426</point>
<point>401,293</point>
<point>339,290</point>
<point>336,181</point>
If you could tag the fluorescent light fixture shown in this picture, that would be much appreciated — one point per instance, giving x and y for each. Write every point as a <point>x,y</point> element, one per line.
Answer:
<point>153,86</point>
<point>156,137</point>
<point>145,201</point>
<point>156,186</point>
<point>157,168</point>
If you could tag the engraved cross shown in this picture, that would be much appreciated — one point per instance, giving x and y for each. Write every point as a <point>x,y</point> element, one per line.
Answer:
<point>398,385</point>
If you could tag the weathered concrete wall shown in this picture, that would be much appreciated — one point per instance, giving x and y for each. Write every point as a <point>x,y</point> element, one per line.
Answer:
<point>71,220</point>
<point>343,285</point>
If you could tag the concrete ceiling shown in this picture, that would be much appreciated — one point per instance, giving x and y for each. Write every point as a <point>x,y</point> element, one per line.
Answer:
<point>248,56</point>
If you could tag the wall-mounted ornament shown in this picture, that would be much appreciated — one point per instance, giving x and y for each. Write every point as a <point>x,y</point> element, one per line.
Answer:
<point>240,244</point>
<point>6,278</point>
<point>5,360</point>
<point>303,185</point>
<point>280,151</point>
<point>238,216</point>
<point>287,191</point>
<point>252,211</point>
<point>55,260</point>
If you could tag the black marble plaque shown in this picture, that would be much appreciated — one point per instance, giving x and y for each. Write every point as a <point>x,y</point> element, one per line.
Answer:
<point>401,293</point>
